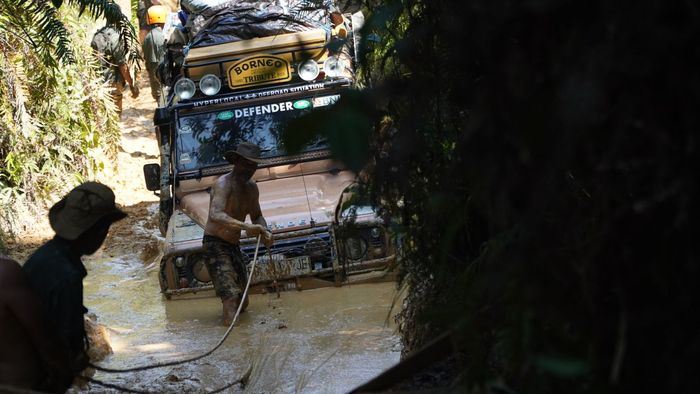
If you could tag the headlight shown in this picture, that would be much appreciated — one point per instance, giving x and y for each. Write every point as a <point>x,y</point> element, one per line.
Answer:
<point>308,70</point>
<point>316,248</point>
<point>210,84</point>
<point>184,88</point>
<point>356,248</point>
<point>334,67</point>
<point>179,261</point>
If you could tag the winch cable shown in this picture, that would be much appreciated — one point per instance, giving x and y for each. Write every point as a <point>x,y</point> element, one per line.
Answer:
<point>201,356</point>
<point>136,391</point>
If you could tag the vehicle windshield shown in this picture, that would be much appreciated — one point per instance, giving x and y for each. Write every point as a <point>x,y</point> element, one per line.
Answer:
<point>203,138</point>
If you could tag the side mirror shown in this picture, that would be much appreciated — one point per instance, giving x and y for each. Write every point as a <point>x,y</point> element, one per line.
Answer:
<point>151,173</point>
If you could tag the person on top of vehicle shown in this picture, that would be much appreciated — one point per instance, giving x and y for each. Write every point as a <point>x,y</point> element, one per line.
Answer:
<point>233,197</point>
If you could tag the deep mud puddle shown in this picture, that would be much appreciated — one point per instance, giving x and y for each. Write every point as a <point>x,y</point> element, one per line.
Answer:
<point>317,341</point>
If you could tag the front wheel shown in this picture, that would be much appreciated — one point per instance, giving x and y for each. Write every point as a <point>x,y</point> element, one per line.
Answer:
<point>164,213</point>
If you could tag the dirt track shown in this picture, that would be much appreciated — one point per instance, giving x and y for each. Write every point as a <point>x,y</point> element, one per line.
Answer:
<point>324,340</point>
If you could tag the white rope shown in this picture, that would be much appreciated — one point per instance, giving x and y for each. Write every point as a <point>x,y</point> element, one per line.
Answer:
<point>171,363</point>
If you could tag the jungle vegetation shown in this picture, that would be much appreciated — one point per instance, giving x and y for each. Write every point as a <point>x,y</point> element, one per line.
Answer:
<point>56,119</point>
<point>538,160</point>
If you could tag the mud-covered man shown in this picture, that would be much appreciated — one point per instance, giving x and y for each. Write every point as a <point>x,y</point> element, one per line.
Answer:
<point>233,197</point>
<point>31,356</point>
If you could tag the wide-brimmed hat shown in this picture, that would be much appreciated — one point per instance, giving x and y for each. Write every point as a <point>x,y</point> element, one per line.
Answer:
<point>81,208</point>
<point>245,150</point>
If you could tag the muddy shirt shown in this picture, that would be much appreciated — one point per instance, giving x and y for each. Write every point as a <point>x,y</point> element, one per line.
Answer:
<point>107,42</point>
<point>154,46</point>
<point>56,276</point>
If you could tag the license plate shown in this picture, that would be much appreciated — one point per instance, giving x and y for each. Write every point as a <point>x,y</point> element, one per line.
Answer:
<point>281,268</point>
<point>297,265</point>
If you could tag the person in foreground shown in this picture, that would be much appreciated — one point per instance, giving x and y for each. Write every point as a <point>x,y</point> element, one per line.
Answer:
<point>233,197</point>
<point>55,271</point>
<point>31,356</point>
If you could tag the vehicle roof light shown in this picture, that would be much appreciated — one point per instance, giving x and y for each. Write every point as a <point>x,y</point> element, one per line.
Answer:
<point>308,70</point>
<point>184,88</point>
<point>210,84</point>
<point>334,66</point>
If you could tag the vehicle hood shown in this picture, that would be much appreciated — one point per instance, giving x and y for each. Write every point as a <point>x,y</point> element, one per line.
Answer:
<point>286,203</point>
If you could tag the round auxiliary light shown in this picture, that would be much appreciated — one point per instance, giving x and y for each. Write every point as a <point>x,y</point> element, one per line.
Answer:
<point>210,84</point>
<point>356,248</point>
<point>179,261</point>
<point>308,70</point>
<point>184,88</point>
<point>334,66</point>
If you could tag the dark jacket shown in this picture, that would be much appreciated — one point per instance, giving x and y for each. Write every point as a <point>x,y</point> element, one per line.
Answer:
<point>56,275</point>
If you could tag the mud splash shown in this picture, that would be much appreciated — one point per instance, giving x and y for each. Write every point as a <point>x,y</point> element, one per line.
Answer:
<point>325,340</point>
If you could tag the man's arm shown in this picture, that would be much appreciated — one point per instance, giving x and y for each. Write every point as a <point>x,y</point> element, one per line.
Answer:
<point>124,71</point>
<point>67,311</point>
<point>16,293</point>
<point>257,218</point>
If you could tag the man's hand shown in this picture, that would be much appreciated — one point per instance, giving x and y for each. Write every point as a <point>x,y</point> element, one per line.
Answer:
<point>267,238</point>
<point>257,229</point>
<point>134,90</point>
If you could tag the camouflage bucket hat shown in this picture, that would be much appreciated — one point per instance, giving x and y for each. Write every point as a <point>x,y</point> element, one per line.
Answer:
<point>82,208</point>
<point>245,150</point>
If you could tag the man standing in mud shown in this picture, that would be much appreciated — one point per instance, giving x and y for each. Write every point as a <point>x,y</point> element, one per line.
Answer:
<point>55,271</point>
<point>233,197</point>
<point>31,356</point>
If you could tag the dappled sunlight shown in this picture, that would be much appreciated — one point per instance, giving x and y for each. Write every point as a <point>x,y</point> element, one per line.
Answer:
<point>154,347</point>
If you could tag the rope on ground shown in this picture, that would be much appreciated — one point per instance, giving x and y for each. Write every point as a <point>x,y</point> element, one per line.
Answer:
<point>134,391</point>
<point>187,360</point>
<point>116,387</point>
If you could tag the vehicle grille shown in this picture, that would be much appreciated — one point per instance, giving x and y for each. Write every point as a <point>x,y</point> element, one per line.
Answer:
<point>317,246</point>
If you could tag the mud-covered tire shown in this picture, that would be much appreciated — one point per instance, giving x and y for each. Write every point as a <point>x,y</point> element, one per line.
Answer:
<point>164,213</point>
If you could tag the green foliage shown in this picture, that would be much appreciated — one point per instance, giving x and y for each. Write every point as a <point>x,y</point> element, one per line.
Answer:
<point>37,23</point>
<point>54,123</point>
<point>538,159</point>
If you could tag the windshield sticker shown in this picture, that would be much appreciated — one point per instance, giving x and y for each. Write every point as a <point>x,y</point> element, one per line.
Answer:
<point>225,115</point>
<point>263,109</point>
<point>185,158</point>
<point>301,104</point>
<point>325,100</point>
<point>184,129</point>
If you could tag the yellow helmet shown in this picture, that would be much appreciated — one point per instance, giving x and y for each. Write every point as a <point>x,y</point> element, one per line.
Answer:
<point>157,14</point>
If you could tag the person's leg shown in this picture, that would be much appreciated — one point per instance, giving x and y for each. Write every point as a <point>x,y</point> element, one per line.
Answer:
<point>239,265</point>
<point>154,81</point>
<point>117,96</point>
<point>220,266</point>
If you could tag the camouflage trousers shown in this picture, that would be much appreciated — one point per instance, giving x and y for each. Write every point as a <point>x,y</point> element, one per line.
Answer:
<point>226,265</point>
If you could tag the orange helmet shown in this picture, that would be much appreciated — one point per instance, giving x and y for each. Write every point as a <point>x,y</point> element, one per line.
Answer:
<point>157,14</point>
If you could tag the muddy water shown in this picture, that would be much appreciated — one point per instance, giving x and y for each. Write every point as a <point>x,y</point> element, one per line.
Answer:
<point>317,341</point>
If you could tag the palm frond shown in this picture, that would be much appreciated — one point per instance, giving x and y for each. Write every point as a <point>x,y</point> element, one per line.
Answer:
<point>37,22</point>
<point>112,13</point>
